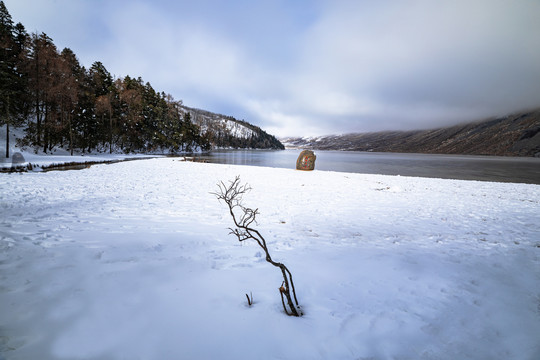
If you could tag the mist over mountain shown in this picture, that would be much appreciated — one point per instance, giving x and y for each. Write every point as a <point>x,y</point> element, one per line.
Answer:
<point>513,135</point>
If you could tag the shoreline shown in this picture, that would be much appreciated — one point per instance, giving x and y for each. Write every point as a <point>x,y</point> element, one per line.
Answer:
<point>515,170</point>
<point>46,165</point>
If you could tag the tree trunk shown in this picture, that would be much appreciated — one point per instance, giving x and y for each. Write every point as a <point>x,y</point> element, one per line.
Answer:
<point>45,131</point>
<point>7,130</point>
<point>110,131</point>
<point>38,110</point>
<point>7,139</point>
<point>70,136</point>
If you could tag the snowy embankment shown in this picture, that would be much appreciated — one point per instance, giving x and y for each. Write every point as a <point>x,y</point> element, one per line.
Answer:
<point>36,160</point>
<point>38,163</point>
<point>133,261</point>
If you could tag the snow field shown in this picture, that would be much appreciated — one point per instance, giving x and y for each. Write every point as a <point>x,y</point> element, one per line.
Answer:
<point>134,261</point>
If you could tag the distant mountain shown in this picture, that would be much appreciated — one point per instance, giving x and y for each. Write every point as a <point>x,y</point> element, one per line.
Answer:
<point>227,132</point>
<point>514,135</point>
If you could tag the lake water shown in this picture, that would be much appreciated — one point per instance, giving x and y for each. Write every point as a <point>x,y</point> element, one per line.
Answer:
<point>464,167</point>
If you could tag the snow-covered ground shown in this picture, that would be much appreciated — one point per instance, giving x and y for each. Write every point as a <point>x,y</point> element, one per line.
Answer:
<point>134,261</point>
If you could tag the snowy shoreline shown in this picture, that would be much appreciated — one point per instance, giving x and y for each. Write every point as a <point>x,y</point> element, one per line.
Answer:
<point>44,162</point>
<point>133,261</point>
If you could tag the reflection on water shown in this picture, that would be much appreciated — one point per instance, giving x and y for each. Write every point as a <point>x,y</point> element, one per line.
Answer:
<point>464,167</point>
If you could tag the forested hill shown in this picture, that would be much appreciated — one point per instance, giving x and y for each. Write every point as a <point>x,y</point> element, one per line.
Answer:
<point>226,131</point>
<point>514,135</point>
<point>58,103</point>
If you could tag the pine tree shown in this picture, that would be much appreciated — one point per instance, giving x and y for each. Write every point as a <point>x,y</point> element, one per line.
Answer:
<point>68,93</point>
<point>190,133</point>
<point>102,86</point>
<point>10,81</point>
<point>41,69</point>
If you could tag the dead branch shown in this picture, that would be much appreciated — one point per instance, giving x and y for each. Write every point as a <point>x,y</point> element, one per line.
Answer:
<point>243,218</point>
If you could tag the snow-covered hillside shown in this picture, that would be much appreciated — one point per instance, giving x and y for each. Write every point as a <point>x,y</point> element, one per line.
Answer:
<point>134,261</point>
<point>229,132</point>
<point>209,122</point>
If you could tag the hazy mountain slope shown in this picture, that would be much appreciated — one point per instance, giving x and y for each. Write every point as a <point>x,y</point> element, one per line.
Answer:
<point>514,135</point>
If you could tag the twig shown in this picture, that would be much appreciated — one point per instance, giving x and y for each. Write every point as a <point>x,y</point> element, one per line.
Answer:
<point>250,302</point>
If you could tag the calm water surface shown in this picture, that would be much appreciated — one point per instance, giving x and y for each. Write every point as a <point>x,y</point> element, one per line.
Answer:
<point>463,167</point>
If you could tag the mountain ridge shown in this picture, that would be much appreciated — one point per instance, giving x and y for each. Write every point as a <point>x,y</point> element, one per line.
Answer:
<point>513,135</point>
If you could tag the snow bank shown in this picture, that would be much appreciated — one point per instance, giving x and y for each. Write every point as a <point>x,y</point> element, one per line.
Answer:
<point>133,261</point>
<point>37,160</point>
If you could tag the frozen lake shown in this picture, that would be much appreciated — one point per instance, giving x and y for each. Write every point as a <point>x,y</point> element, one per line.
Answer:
<point>462,167</point>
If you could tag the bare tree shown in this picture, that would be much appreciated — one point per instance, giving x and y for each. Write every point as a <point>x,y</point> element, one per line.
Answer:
<point>244,218</point>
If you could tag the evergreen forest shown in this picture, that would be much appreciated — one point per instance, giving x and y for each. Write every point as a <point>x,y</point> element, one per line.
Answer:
<point>61,104</point>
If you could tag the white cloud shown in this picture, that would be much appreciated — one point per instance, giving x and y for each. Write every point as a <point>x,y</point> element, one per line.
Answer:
<point>418,64</point>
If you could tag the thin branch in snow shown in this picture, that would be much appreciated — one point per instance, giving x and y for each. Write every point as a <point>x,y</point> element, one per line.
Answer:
<point>243,217</point>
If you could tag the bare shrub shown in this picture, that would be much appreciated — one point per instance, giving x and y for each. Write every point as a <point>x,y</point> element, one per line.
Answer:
<point>244,217</point>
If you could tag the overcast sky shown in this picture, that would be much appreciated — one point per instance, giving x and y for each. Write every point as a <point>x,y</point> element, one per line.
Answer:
<point>312,67</point>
